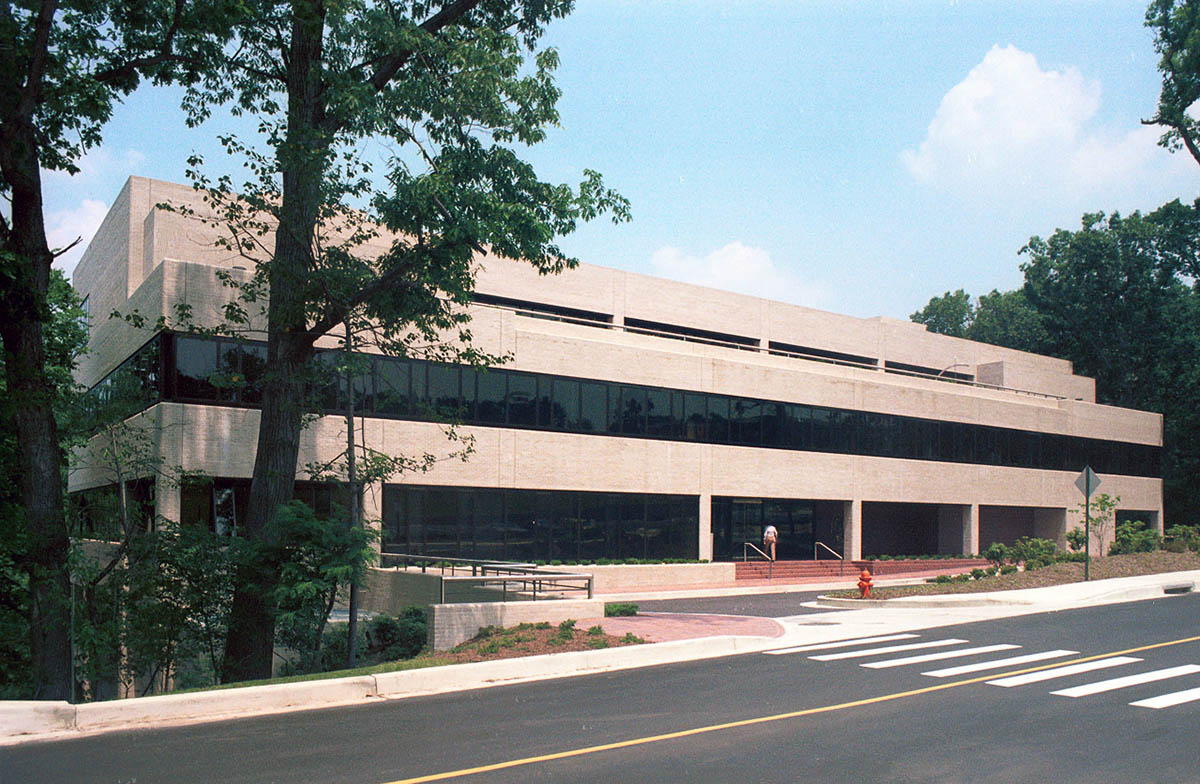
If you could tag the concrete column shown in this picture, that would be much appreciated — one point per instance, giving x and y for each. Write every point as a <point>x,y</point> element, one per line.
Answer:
<point>706,534</point>
<point>970,529</point>
<point>167,501</point>
<point>372,511</point>
<point>852,529</point>
<point>1051,524</point>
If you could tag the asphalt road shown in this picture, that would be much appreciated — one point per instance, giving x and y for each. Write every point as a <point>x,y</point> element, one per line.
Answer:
<point>762,605</point>
<point>794,718</point>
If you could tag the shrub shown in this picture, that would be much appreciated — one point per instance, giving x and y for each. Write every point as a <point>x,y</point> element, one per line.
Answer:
<point>942,578</point>
<point>630,637</point>
<point>997,553</point>
<point>978,574</point>
<point>1076,539</point>
<point>620,609</point>
<point>1008,569</point>
<point>400,637</point>
<point>1029,548</point>
<point>1134,537</point>
<point>1180,538</point>
<point>595,631</point>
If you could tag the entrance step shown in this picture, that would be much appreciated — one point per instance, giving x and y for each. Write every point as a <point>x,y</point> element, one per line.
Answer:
<point>834,570</point>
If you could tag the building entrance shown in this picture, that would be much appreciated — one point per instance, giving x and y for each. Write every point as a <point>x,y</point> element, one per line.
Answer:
<point>800,522</point>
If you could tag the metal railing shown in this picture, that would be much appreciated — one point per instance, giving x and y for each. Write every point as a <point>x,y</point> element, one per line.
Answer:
<point>748,546</point>
<point>505,579</point>
<point>836,554</point>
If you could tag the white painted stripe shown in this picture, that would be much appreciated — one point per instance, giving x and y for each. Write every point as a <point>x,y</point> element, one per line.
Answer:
<point>1062,672</point>
<point>912,646</point>
<point>998,664</point>
<point>823,646</point>
<point>927,657</point>
<point>1167,700</point>
<point>1128,680</point>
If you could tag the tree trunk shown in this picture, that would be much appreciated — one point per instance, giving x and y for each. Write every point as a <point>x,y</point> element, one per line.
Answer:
<point>26,276</point>
<point>301,158</point>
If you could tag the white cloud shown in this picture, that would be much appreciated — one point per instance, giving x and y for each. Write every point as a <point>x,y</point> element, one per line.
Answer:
<point>65,226</point>
<point>741,268</point>
<point>97,164</point>
<point>1012,128</point>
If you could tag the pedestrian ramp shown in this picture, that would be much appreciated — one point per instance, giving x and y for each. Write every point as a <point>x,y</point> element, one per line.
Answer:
<point>906,649</point>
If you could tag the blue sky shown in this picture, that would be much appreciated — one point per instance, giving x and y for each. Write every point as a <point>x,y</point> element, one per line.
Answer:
<point>854,157</point>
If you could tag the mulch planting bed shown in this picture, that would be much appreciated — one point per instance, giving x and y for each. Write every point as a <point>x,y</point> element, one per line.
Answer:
<point>531,639</point>
<point>1131,565</point>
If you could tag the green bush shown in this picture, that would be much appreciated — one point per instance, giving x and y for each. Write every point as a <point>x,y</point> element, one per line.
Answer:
<point>620,609</point>
<point>1181,538</point>
<point>1134,537</point>
<point>1029,548</point>
<point>978,574</point>
<point>401,637</point>
<point>942,578</point>
<point>1008,568</point>
<point>997,553</point>
<point>1076,539</point>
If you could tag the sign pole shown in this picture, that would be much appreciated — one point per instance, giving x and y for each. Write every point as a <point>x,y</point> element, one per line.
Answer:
<point>1087,538</point>
<point>1087,482</point>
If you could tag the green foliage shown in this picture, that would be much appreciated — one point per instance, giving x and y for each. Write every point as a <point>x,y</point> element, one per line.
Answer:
<point>619,609</point>
<point>978,574</point>
<point>595,631</point>
<point>400,637</point>
<point>1028,548</point>
<point>1135,537</point>
<point>1008,568</point>
<point>1102,511</point>
<point>1076,539</point>
<point>949,314</point>
<point>1176,26</point>
<point>631,638</point>
<point>1180,538</point>
<point>314,558</point>
<point>942,578</point>
<point>997,553</point>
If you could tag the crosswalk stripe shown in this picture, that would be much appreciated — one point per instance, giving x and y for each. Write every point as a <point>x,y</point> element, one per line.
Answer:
<point>1167,700</point>
<point>998,664</point>
<point>912,646</point>
<point>1061,672</point>
<point>926,657</point>
<point>1128,680</point>
<point>839,644</point>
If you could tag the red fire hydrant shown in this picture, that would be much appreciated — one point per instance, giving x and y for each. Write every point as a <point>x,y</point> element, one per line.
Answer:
<point>864,584</point>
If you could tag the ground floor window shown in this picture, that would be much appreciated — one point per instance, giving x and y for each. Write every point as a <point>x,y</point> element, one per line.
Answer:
<point>538,525</point>
<point>800,523</point>
<point>219,504</point>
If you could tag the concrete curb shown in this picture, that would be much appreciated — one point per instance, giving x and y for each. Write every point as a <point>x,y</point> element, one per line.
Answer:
<point>30,721</point>
<point>1110,591</point>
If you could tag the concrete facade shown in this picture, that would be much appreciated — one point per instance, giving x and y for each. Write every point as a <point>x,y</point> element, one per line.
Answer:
<point>148,259</point>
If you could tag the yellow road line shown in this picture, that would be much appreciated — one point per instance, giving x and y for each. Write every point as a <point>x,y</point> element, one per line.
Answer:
<point>764,719</point>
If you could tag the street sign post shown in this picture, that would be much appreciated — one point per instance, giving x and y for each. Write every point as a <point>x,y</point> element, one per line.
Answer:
<point>1087,482</point>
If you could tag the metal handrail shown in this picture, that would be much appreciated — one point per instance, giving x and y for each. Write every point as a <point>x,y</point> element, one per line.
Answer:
<point>767,558</point>
<point>840,557</point>
<point>521,581</point>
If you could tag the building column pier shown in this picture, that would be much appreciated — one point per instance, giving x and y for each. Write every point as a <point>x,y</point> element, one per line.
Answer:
<point>852,530</point>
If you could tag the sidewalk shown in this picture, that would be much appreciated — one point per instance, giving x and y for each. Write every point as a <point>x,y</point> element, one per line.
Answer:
<point>677,638</point>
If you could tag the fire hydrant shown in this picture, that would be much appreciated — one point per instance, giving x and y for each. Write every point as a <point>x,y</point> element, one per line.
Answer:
<point>864,584</point>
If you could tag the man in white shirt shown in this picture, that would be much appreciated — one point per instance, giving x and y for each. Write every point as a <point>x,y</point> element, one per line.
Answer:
<point>770,537</point>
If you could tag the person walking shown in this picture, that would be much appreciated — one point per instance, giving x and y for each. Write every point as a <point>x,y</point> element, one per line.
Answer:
<point>770,537</point>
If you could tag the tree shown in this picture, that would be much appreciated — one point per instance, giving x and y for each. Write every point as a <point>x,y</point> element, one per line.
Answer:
<point>451,89</point>
<point>62,66</point>
<point>1176,25</point>
<point>950,314</point>
<point>1007,319</point>
<point>65,338</point>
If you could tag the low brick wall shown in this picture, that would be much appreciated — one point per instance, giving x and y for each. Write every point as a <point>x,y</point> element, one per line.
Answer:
<point>618,578</point>
<point>450,624</point>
